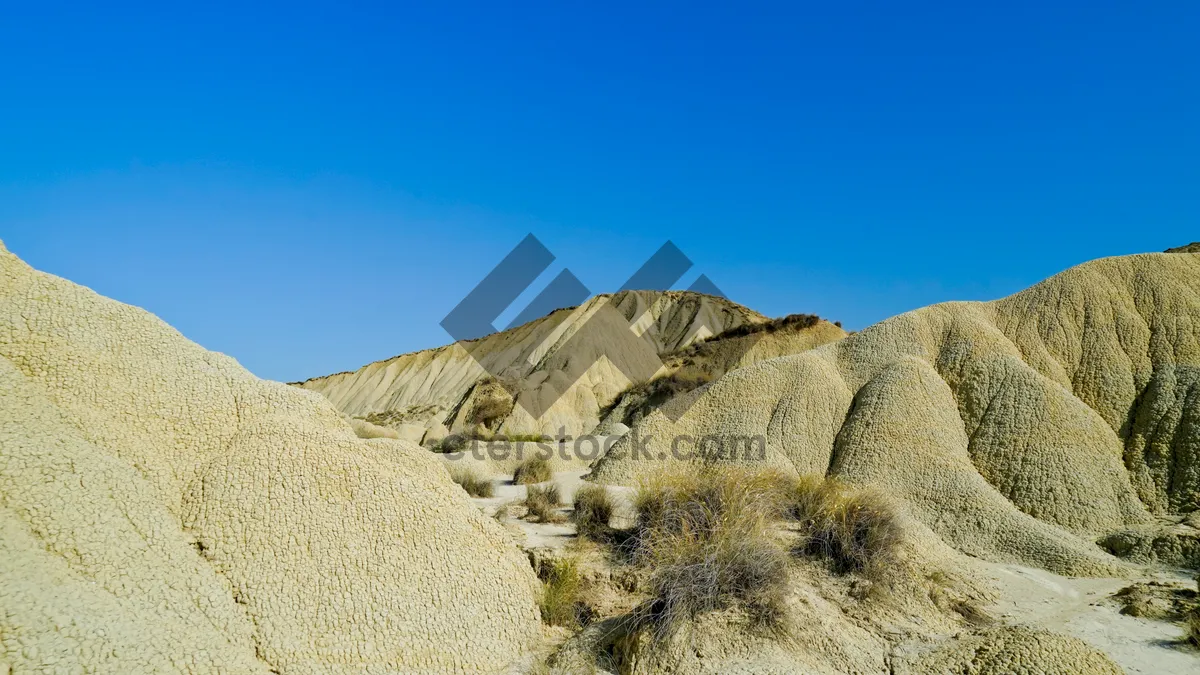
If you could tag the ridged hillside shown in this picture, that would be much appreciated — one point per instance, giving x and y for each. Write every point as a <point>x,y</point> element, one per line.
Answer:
<point>546,360</point>
<point>162,510</point>
<point>1018,429</point>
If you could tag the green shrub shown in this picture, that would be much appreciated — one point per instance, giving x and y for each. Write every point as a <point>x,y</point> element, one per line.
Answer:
<point>542,502</point>
<point>533,470</point>
<point>475,484</point>
<point>561,584</point>
<point>593,510</point>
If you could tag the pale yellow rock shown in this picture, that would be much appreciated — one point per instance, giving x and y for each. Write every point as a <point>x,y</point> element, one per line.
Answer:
<point>1011,650</point>
<point>1018,429</point>
<point>162,510</point>
<point>364,429</point>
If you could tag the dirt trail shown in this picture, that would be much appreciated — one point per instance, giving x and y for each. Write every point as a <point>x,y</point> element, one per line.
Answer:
<point>1084,608</point>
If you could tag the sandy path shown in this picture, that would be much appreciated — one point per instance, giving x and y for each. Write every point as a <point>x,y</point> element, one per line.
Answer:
<point>1083,608</point>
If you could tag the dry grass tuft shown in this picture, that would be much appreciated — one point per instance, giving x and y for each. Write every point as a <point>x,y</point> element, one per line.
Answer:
<point>705,538</point>
<point>855,530</point>
<point>523,438</point>
<point>689,498</point>
<point>542,502</point>
<point>711,538</point>
<point>490,410</point>
<point>452,443</point>
<point>475,484</point>
<point>593,510</point>
<point>561,585</point>
<point>533,470</point>
<point>503,512</point>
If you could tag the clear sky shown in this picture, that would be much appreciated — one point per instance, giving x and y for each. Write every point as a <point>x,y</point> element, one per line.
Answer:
<point>312,187</point>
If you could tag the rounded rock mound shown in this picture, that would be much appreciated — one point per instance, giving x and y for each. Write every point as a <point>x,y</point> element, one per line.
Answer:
<point>1020,429</point>
<point>164,510</point>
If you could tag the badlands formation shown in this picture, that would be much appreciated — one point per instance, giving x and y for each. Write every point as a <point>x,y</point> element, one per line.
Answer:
<point>423,396</point>
<point>1018,430</point>
<point>162,510</point>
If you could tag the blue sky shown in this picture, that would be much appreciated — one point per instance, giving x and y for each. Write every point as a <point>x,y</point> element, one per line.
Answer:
<point>312,187</point>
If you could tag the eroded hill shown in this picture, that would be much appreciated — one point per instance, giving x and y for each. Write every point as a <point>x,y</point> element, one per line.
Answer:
<point>163,510</point>
<point>1019,429</point>
<point>562,369</point>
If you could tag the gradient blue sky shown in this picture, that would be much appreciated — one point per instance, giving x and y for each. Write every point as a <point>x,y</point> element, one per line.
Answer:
<point>312,187</point>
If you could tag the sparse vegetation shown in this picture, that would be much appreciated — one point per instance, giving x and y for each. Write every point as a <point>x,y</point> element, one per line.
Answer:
<point>715,537</point>
<point>662,389</point>
<point>452,443</point>
<point>791,321</point>
<point>561,585</point>
<point>475,484</point>
<point>533,470</point>
<point>593,510</point>
<point>646,396</point>
<point>491,403</point>
<point>705,539</point>
<point>503,512</point>
<point>855,530</point>
<point>489,410</point>
<point>542,502</point>
<point>523,438</point>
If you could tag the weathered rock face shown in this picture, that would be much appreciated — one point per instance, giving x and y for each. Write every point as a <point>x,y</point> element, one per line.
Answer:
<point>1010,649</point>
<point>1015,429</point>
<point>162,510</point>
<point>534,360</point>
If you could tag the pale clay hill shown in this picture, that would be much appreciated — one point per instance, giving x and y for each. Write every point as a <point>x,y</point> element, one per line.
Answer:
<point>425,395</point>
<point>1020,429</point>
<point>163,510</point>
